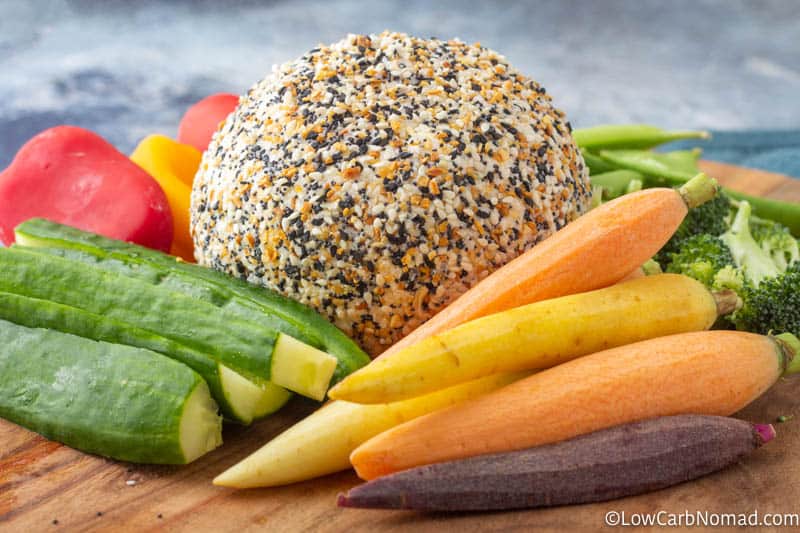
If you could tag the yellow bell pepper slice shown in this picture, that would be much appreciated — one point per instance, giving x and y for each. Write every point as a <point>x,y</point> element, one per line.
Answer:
<point>173,165</point>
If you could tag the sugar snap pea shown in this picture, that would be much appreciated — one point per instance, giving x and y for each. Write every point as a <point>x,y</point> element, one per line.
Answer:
<point>630,136</point>
<point>672,169</point>
<point>595,164</point>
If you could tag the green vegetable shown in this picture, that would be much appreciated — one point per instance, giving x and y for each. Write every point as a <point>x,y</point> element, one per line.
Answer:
<point>756,263</point>
<point>673,169</point>
<point>701,257</point>
<point>117,401</point>
<point>776,241</point>
<point>773,306</point>
<point>239,399</point>
<point>711,218</point>
<point>245,347</point>
<point>630,136</point>
<point>756,258</point>
<point>616,182</point>
<point>595,164</point>
<point>253,303</point>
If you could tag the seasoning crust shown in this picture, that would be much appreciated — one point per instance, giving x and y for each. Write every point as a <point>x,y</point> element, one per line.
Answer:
<point>380,177</point>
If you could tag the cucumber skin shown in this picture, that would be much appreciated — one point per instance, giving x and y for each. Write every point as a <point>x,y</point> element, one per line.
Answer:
<point>112,400</point>
<point>292,318</point>
<point>35,313</point>
<point>242,346</point>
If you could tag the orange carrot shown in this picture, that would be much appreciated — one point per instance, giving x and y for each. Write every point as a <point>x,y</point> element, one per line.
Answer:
<point>711,372</point>
<point>596,250</point>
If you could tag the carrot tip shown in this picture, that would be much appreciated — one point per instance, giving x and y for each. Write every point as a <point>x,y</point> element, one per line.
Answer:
<point>342,500</point>
<point>765,431</point>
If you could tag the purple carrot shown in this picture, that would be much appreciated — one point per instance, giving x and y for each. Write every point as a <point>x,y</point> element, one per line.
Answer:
<point>604,465</point>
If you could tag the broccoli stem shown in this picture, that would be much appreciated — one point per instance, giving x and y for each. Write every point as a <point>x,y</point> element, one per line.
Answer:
<point>698,190</point>
<point>746,252</point>
<point>790,346</point>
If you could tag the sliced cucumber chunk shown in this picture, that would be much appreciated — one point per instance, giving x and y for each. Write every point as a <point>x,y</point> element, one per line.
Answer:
<point>302,368</point>
<point>117,401</point>
<point>237,402</point>
<point>248,400</point>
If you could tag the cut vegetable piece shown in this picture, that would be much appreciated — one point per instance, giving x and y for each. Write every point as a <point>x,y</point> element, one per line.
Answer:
<point>308,371</point>
<point>117,401</point>
<point>250,401</point>
<point>630,136</point>
<point>709,372</point>
<point>200,427</point>
<point>604,465</point>
<point>237,401</point>
<point>243,346</point>
<point>321,443</point>
<point>537,336</point>
<point>250,302</point>
<point>75,176</point>
<point>594,251</point>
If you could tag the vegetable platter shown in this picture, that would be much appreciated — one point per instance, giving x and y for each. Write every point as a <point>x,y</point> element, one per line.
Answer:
<point>46,485</point>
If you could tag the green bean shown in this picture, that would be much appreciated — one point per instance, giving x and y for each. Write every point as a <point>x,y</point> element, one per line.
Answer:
<point>630,136</point>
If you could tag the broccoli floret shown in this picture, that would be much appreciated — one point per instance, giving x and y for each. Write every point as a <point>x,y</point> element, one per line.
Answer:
<point>776,240</point>
<point>757,265</point>
<point>711,218</point>
<point>772,306</point>
<point>703,257</point>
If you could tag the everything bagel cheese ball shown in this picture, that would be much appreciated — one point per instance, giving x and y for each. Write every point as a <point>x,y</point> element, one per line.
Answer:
<point>380,177</point>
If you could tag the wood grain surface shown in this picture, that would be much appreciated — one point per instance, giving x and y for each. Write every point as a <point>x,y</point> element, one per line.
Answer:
<point>45,486</point>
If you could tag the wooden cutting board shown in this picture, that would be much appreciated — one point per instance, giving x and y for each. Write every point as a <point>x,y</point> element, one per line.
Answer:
<point>46,486</point>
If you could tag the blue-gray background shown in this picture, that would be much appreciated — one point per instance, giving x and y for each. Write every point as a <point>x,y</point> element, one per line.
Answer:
<point>126,69</point>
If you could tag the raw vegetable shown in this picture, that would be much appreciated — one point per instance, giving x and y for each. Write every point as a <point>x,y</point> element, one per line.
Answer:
<point>74,176</point>
<point>596,164</point>
<point>539,335</point>
<point>247,301</point>
<point>173,165</point>
<point>243,346</point>
<point>121,402</point>
<point>321,443</point>
<point>615,183</point>
<point>757,258</point>
<point>630,136</point>
<point>596,250</point>
<point>604,465</point>
<point>773,306</point>
<point>709,372</point>
<point>203,119</point>
<point>239,399</point>
<point>672,169</point>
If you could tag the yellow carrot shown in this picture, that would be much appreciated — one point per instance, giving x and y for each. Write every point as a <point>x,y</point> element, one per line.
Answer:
<point>538,336</point>
<point>710,372</point>
<point>321,443</point>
